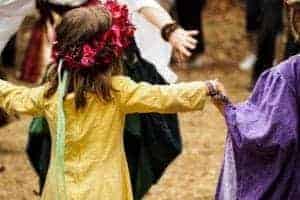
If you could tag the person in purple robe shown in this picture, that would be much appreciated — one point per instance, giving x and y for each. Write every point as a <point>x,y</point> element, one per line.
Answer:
<point>262,152</point>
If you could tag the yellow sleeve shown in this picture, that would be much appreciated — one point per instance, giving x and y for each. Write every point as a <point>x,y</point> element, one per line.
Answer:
<point>21,99</point>
<point>145,98</point>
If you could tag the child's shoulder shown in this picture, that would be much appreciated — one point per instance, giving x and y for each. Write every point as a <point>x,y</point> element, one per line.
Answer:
<point>121,81</point>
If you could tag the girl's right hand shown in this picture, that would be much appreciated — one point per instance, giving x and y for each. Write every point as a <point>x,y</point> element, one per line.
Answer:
<point>219,103</point>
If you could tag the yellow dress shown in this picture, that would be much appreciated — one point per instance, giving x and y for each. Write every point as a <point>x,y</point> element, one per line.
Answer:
<point>95,162</point>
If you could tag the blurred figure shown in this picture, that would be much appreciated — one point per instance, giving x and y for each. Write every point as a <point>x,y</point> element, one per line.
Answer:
<point>8,53</point>
<point>7,29</point>
<point>263,24</point>
<point>166,4</point>
<point>190,18</point>
<point>293,44</point>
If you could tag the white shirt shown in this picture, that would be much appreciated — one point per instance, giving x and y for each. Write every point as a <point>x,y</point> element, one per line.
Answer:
<point>148,38</point>
<point>12,13</point>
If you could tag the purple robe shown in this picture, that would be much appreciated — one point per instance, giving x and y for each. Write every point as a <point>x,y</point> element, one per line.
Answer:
<point>262,153</point>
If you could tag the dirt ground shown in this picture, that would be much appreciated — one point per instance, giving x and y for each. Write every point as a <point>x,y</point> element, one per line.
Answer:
<point>193,176</point>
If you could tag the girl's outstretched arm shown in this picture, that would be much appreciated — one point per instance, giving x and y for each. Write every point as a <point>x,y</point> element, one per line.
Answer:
<point>145,98</point>
<point>21,99</point>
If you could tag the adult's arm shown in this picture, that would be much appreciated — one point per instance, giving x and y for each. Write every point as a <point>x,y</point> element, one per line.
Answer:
<point>180,39</point>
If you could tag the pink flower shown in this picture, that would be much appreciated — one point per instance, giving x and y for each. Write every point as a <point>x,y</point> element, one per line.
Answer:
<point>109,45</point>
<point>88,56</point>
<point>88,51</point>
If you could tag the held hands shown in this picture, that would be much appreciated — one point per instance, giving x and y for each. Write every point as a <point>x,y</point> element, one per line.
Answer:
<point>220,103</point>
<point>218,94</point>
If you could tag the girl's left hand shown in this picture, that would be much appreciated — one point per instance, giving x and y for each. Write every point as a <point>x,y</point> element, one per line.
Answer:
<point>219,103</point>
<point>183,41</point>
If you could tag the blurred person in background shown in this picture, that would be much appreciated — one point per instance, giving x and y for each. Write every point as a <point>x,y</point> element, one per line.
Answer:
<point>189,15</point>
<point>293,38</point>
<point>9,10</point>
<point>264,23</point>
<point>166,4</point>
<point>8,53</point>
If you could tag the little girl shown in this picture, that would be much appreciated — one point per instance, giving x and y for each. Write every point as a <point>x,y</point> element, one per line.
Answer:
<point>145,61</point>
<point>86,117</point>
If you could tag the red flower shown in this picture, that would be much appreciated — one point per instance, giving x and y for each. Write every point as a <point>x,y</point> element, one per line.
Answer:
<point>88,57</point>
<point>109,45</point>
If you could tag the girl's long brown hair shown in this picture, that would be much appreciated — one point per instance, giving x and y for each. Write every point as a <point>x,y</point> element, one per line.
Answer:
<point>77,27</point>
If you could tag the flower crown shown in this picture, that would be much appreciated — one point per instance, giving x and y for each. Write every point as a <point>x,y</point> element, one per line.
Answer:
<point>106,47</point>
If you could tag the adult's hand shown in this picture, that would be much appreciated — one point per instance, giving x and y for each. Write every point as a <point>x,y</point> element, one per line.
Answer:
<point>183,41</point>
<point>292,2</point>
